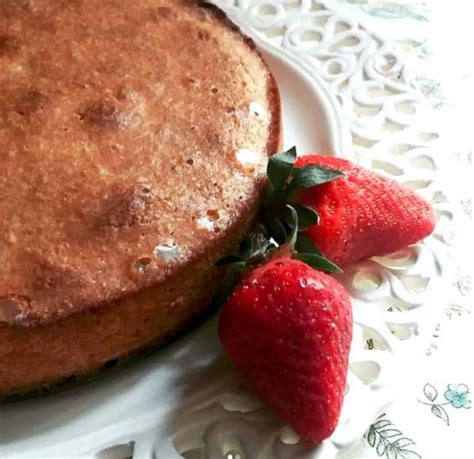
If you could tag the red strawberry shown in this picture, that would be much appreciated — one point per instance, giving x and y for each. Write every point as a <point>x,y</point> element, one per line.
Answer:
<point>363,214</point>
<point>288,328</point>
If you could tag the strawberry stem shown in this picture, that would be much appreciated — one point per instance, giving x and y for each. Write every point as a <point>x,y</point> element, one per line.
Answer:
<point>282,221</point>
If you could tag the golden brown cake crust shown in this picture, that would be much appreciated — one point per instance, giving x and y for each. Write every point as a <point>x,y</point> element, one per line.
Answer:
<point>132,135</point>
<point>119,127</point>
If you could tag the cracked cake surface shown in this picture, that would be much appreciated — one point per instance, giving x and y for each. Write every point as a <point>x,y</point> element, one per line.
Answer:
<point>132,140</point>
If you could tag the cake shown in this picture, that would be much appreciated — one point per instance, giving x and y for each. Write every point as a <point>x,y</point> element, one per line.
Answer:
<point>133,137</point>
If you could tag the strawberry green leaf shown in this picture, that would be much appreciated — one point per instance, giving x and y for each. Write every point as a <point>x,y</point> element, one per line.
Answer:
<point>293,224</point>
<point>276,229</point>
<point>280,167</point>
<point>260,229</point>
<point>307,216</point>
<point>318,262</point>
<point>270,196</point>
<point>305,244</point>
<point>231,277</point>
<point>228,260</point>
<point>261,250</point>
<point>255,247</point>
<point>246,247</point>
<point>282,221</point>
<point>309,176</point>
<point>288,156</point>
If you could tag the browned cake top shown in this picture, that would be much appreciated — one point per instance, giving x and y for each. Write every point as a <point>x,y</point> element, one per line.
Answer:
<point>131,135</point>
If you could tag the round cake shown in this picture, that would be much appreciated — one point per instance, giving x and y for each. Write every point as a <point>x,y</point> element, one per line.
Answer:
<point>133,137</point>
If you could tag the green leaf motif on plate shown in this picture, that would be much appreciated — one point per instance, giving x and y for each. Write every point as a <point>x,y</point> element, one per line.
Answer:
<point>389,442</point>
<point>430,392</point>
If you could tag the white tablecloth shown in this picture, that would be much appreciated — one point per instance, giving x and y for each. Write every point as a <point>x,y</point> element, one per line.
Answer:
<point>433,416</point>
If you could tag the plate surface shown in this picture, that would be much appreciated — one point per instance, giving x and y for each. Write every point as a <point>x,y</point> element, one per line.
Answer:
<point>187,398</point>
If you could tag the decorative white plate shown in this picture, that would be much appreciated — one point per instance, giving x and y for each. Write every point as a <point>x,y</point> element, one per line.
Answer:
<point>344,92</point>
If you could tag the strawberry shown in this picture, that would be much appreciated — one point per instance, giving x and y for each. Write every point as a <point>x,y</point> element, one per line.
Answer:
<point>363,214</point>
<point>288,328</point>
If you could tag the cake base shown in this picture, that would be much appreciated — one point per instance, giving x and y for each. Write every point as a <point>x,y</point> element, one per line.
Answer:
<point>113,366</point>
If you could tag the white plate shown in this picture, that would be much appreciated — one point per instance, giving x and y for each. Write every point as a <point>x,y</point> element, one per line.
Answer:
<point>187,396</point>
